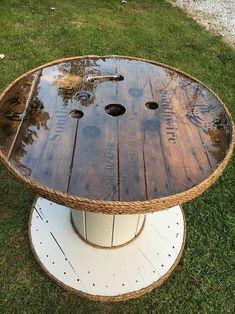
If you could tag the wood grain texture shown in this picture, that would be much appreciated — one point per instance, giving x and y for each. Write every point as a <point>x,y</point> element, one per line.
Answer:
<point>94,173</point>
<point>153,134</point>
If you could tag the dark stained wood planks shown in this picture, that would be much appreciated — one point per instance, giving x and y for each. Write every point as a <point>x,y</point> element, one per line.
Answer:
<point>95,167</point>
<point>145,133</point>
<point>130,138</point>
<point>155,160</point>
<point>12,109</point>
<point>45,143</point>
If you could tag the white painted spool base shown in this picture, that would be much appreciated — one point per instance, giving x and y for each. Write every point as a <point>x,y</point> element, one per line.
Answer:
<point>106,274</point>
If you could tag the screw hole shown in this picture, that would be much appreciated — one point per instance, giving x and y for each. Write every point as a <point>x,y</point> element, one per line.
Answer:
<point>123,284</point>
<point>65,273</point>
<point>115,110</point>
<point>93,284</point>
<point>77,279</point>
<point>162,265</point>
<point>151,105</point>
<point>77,114</point>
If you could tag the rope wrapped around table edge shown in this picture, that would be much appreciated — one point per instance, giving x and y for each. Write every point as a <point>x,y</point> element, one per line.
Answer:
<point>119,207</point>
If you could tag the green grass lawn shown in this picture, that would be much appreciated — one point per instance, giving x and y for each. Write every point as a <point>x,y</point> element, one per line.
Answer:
<point>30,35</point>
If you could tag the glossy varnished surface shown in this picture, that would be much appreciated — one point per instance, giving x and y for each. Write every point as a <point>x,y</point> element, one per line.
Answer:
<point>171,134</point>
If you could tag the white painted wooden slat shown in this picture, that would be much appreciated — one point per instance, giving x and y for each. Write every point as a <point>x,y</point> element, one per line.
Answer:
<point>163,253</point>
<point>140,223</point>
<point>79,222</point>
<point>99,228</point>
<point>124,228</point>
<point>104,272</point>
<point>168,229</point>
<point>51,254</point>
<point>176,217</point>
<point>107,230</point>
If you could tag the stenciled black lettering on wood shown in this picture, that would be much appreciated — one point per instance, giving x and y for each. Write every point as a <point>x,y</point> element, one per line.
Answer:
<point>168,114</point>
<point>130,174</point>
<point>61,119</point>
<point>110,161</point>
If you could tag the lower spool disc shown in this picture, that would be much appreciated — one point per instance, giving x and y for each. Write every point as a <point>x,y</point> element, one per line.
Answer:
<point>106,274</point>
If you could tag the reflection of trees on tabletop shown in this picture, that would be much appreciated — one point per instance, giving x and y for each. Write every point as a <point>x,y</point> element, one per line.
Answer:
<point>35,119</point>
<point>71,80</point>
<point>12,108</point>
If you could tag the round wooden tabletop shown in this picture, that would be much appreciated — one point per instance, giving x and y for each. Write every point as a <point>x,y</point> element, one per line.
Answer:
<point>91,130</point>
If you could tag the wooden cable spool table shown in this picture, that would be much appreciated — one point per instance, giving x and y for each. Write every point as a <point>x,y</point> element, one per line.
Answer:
<point>113,145</point>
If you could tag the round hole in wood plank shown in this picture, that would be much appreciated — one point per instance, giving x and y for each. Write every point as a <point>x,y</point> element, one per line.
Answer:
<point>115,110</point>
<point>151,105</point>
<point>77,114</point>
<point>83,95</point>
<point>120,78</point>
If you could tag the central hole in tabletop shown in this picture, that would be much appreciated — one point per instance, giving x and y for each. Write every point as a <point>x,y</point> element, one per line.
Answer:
<point>115,110</point>
<point>77,114</point>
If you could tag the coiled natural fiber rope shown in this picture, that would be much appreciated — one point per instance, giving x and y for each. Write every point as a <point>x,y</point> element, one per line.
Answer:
<point>119,207</point>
